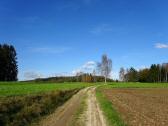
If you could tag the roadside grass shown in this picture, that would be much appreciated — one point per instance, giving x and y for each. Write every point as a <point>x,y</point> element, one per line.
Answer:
<point>135,85</point>
<point>23,110</point>
<point>25,88</point>
<point>112,116</point>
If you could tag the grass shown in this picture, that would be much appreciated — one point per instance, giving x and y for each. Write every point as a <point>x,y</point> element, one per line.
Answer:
<point>112,116</point>
<point>78,116</point>
<point>22,88</point>
<point>135,85</point>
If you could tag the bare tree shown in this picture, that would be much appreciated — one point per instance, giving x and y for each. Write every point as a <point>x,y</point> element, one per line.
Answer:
<point>94,75</point>
<point>121,74</point>
<point>105,67</point>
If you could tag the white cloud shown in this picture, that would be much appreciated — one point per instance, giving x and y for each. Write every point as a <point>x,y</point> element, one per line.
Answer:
<point>51,50</point>
<point>101,28</point>
<point>161,45</point>
<point>61,74</point>
<point>30,75</point>
<point>88,67</point>
<point>74,72</point>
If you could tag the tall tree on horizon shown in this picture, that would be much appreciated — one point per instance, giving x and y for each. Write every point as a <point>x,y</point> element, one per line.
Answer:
<point>105,67</point>
<point>154,71</point>
<point>8,63</point>
<point>165,67</point>
<point>132,75</point>
<point>144,75</point>
<point>121,74</point>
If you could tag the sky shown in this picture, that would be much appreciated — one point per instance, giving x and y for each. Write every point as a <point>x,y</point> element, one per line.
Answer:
<point>62,37</point>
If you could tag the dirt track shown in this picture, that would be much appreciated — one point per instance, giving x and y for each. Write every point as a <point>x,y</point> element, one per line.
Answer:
<point>64,114</point>
<point>94,116</point>
<point>141,107</point>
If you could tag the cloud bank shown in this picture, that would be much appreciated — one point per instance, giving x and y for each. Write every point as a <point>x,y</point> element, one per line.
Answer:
<point>88,67</point>
<point>161,45</point>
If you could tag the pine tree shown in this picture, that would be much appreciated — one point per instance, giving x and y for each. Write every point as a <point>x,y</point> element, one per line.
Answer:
<point>8,63</point>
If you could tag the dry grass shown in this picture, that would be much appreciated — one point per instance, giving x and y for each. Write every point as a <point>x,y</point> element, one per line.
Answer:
<point>22,110</point>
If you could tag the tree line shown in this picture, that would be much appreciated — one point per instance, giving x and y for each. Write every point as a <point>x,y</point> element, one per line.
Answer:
<point>101,73</point>
<point>85,77</point>
<point>8,63</point>
<point>156,73</point>
<point>9,69</point>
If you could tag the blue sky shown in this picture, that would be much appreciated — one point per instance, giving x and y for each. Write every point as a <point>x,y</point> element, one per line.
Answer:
<point>58,37</point>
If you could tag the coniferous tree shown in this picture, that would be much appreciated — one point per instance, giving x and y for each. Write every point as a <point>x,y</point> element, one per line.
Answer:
<point>156,73</point>
<point>8,63</point>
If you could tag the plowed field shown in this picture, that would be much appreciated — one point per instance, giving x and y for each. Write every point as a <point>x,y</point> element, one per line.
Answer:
<point>140,107</point>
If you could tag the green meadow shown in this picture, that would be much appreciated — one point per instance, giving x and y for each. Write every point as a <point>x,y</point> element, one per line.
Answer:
<point>22,88</point>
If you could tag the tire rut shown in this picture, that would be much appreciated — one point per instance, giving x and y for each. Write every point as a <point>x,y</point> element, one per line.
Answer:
<point>64,115</point>
<point>94,116</point>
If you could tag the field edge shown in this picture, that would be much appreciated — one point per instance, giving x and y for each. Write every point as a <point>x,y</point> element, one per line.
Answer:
<point>111,115</point>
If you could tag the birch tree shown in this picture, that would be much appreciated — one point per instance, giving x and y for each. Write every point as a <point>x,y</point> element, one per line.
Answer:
<point>105,67</point>
<point>121,74</point>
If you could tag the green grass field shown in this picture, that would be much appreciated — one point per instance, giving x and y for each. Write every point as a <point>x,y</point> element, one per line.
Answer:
<point>21,88</point>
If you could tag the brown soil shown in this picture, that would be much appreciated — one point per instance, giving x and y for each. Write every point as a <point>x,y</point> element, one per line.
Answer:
<point>140,107</point>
